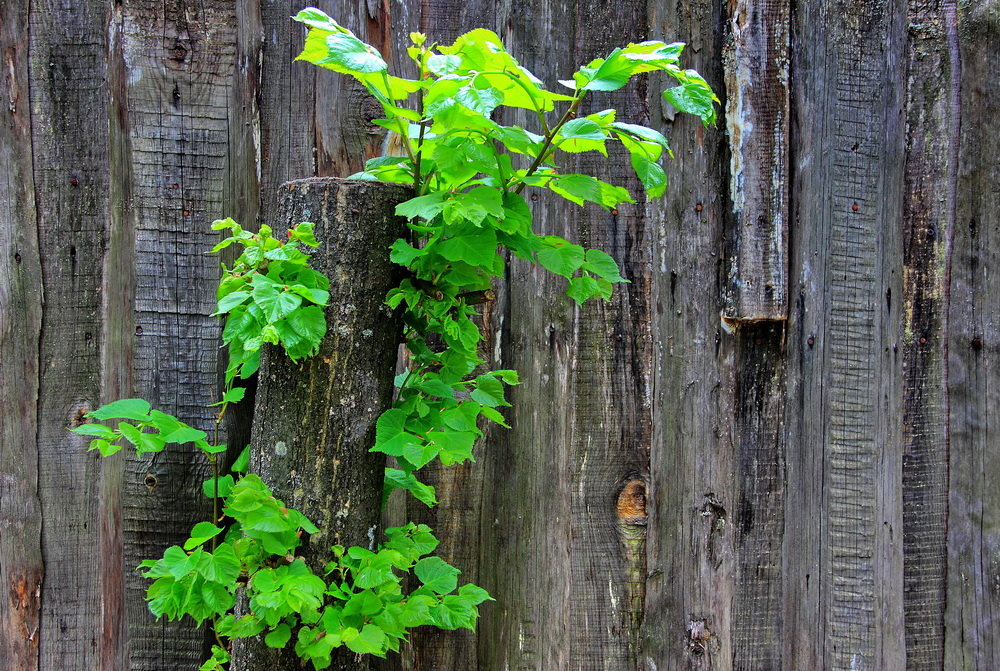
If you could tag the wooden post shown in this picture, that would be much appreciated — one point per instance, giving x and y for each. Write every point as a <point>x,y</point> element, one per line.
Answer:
<point>315,418</point>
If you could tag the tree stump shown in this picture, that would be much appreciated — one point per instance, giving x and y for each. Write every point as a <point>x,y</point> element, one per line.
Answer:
<point>314,419</point>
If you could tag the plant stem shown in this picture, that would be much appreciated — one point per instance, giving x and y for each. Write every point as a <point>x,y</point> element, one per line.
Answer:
<point>548,141</point>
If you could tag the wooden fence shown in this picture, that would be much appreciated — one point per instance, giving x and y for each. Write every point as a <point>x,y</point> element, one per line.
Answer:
<point>771,450</point>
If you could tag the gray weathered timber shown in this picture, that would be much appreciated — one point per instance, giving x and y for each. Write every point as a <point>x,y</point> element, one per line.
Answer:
<point>187,158</point>
<point>563,501</point>
<point>843,556</point>
<point>688,616</point>
<point>21,567</point>
<point>972,617</point>
<point>757,80</point>
<point>315,419</point>
<point>69,131</point>
<point>928,233</point>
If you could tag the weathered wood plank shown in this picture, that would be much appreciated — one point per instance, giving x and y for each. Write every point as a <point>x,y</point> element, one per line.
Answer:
<point>315,419</point>
<point>757,80</point>
<point>929,224</point>
<point>843,559</point>
<point>187,112</point>
<point>69,126</point>
<point>21,567</point>
<point>688,618</point>
<point>972,624</point>
<point>758,514</point>
<point>562,538</point>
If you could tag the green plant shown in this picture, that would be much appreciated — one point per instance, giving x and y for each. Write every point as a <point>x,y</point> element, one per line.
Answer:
<point>468,172</point>
<point>272,295</point>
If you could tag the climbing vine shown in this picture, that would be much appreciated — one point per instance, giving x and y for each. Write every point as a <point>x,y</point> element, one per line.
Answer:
<point>468,171</point>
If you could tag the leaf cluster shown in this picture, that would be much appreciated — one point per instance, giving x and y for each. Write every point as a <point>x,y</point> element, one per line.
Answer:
<point>469,170</point>
<point>270,295</point>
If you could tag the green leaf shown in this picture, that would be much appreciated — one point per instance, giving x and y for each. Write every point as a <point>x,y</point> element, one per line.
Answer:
<point>583,129</point>
<point>402,253</point>
<point>489,391</point>
<point>275,304</point>
<point>315,18</point>
<point>234,395</point>
<point>242,462</point>
<point>455,446</point>
<point>482,99</point>
<point>444,65</point>
<point>371,640</point>
<point>475,246</point>
<point>229,301</point>
<point>143,442</point>
<point>426,207</point>
<point>129,408</point>
<point>310,323</point>
<point>652,176</point>
<point>183,434</point>
<point>694,97</point>
<point>226,483</point>
<point>278,637</point>
<point>397,479</point>
<point>437,574</point>
<point>602,265</point>
<point>560,257</point>
<point>105,447</point>
<point>581,188</point>
<point>348,54</point>
<point>582,288</point>
<point>201,532</point>
<point>98,430</point>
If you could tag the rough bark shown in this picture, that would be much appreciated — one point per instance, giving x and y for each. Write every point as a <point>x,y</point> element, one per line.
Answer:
<point>315,419</point>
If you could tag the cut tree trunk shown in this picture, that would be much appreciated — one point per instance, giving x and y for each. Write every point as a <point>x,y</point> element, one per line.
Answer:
<point>315,419</point>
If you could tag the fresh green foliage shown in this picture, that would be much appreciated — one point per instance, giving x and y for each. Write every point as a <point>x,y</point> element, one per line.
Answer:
<point>270,295</point>
<point>147,430</point>
<point>358,602</point>
<point>468,171</point>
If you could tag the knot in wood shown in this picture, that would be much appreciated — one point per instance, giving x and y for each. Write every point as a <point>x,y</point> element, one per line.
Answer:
<point>632,503</point>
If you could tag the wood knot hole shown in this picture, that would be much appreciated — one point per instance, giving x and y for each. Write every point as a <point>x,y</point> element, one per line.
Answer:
<point>632,503</point>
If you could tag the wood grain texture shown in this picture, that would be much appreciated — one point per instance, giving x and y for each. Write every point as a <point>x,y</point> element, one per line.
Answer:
<point>758,516</point>
<point>187,109</point>
<point>21,568</point>
<point>972,623</point>
<point>928,232</point>
<point>69,127</point>
<point>315,419</point>
<point>757,100</point>
<point>564,499</point>
<point>692,557</point>
<point>843,557</point>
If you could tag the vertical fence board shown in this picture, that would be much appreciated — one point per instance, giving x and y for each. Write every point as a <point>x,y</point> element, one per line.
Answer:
<point>757,81</point>
<point>972,625</point>
<point>181,61</point>
<point>928,229</point>
<point>844,597</point>
<point>21,569</point>
<point>69,103</point>
<point>688,619</point>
